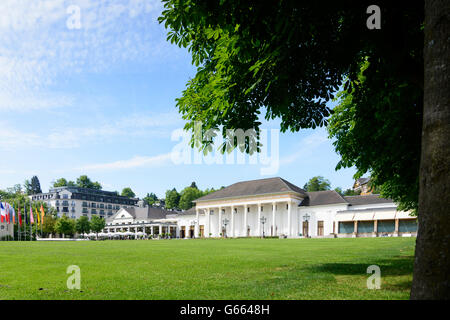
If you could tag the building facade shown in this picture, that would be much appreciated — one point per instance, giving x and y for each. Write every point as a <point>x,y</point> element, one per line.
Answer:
<point>149,220</point>
<point>75,202</point>
<point>6,229</point>
<point>276,207</point>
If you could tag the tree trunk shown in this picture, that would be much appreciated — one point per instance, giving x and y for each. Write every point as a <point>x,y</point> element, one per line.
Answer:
<point>431,278</point>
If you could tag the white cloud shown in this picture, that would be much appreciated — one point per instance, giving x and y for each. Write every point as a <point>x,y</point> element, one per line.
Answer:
<point>132,126</point>
<point>38,48</point>
<point>135,162</point>
<point>306,147</point>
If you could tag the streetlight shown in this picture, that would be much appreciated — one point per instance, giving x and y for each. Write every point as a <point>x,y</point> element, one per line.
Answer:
<point>225,222</point>
<point>263,220</point>
<point>193,222</point>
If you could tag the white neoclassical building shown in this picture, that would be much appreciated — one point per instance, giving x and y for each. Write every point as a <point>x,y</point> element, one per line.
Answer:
<point>149,220</point>
<point>276,207</point>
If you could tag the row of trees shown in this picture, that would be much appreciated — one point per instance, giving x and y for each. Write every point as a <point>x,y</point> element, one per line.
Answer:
<point>85,182</point>
<point>33,186</point>
<point>184,200</point>
<point>65,226</point>
<point>319,183</point>
<point>82,182</point>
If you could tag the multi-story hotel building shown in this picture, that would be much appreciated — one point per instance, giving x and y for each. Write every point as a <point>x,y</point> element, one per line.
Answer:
<point>75,202</point>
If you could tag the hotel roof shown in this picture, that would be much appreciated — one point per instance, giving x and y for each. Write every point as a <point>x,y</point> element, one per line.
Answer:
<point>254,188</point>
<point>366,199</point>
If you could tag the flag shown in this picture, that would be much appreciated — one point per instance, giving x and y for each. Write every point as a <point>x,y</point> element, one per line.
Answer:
<point>14,215</point>
<point>37,215</point>
<point>2,212</point>
<point>31,216</point>
<point>42,214</point>
<point>8,213</point>
<point>20,217</point>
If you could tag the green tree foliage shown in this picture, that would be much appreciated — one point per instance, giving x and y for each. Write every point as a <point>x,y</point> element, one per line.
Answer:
<point>317,183</point>
<point>339,190</point>
<point>194,185</point>
<point>151,198</point>
<point>188,195</point>
<point>375,131</point>
<point>82,225</point>
<point>97,224</point>
<point>288,58</point>
<point>172,199</point>
<point>65,226</point>
<point>35,186</point>
<point>49,224</point>
<point>85,182</point>
<point>351,192</point>
<point>127,192</point>
<point>27,187</point>
<point>62,182</point>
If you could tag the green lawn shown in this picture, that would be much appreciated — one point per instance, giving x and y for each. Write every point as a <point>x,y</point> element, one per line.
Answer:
<point>208,269</point>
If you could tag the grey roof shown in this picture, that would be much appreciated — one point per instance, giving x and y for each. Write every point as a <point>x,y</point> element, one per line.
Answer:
<point>366,199</point>
<point>317,198</point>
<point>253,188</point>
<point>188,212</point>
<point>146,213</point>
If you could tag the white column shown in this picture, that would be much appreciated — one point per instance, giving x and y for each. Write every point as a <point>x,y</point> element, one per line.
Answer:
<point>197,225</point>
<point>245,220</point>
<point>160,230</point>
<point>209,222</point>
<point>289,219</point>
<point>274,204</point>
<point>232,221</point>
<point>259,219</point>
<point>219,228</point>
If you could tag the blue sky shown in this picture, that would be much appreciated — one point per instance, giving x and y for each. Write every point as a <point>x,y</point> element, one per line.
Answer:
<point>100,100</point>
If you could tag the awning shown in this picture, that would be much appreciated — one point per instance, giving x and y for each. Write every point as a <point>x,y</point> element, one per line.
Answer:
<point>345,216</point>
<point>384,215</point>
<point>364,216</point>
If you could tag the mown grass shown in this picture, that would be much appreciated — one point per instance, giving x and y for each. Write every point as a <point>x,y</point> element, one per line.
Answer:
<point>208,269</point>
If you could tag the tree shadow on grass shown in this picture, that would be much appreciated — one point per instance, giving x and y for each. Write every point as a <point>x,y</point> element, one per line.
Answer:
<point>395,266</point>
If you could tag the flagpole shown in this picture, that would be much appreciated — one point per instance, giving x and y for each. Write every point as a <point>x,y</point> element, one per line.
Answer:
<point>14,219</point>
<point>19,225</point>
<point>42,220</point>
<point>31,226</point>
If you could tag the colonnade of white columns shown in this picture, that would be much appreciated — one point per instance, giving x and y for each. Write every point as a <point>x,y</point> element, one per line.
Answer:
<point>233,219</point>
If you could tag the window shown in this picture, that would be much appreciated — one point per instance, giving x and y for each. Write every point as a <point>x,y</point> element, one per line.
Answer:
<point>407,225</point>
<point>386,226</point>
<point>346,227</point>
<point>65,196</point>
<point>320,228</point>
<point>365,226</point>
<point>93,205</point>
